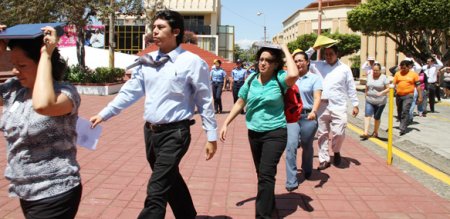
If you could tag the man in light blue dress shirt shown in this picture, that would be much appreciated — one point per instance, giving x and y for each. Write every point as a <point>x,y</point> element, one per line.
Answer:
<point>171,90</point>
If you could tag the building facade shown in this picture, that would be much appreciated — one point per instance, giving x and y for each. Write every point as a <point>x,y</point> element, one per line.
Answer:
<point>306,20</point>
<point>201,17</point>
<point>382,48</point>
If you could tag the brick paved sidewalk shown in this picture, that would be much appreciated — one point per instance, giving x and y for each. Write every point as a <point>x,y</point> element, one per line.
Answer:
<point>115,177</point>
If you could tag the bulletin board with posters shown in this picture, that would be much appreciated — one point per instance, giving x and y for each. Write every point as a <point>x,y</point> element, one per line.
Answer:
<point>70,37</point>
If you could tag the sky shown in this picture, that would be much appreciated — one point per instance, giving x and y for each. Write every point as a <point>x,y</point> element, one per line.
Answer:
<point>248,26</point>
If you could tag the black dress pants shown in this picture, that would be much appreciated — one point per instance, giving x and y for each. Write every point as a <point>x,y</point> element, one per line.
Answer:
<point>165,150</point>
<point>431,95</point>
<point>217,95</point>
<point>61,206</point>
<point>267,148</point>
<point>236,87</point>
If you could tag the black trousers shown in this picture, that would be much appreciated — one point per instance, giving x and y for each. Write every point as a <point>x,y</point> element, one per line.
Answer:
<point>432,92</point>
<point>217,95</point>
<point>267,148</point>
<point>62,206</point>
<point>236,87</point>
<point>438,92</point>
<point>403,106</point>
<point>165,150</point>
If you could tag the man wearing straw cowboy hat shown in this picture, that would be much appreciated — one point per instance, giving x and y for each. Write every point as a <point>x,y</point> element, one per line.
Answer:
<point>337,84</point>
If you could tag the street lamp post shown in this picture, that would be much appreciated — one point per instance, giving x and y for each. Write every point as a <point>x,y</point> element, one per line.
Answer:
<point>259,14</point>
<point>319,28</point>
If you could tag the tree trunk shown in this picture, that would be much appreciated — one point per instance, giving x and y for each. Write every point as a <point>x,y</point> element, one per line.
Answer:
<point>80,47</point>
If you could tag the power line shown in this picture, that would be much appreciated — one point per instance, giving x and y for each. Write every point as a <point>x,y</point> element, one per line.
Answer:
<point>237,14</point>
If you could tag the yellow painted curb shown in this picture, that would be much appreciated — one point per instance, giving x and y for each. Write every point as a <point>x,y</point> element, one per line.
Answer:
<point>408,158</point>
<point>443,103</point>
<point>438,117</point>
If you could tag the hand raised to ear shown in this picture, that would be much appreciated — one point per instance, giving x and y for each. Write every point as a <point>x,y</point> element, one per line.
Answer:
<point>50,40</point>
<point>3,43</point>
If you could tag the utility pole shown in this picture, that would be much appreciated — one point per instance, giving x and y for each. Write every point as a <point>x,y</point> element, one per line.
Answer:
<point>112,44</point>
<point>265,29</point>
<point>319,25</point>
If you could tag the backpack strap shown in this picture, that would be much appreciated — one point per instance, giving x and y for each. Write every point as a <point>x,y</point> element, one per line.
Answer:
<point>279,85</point>
<point>249,82</point>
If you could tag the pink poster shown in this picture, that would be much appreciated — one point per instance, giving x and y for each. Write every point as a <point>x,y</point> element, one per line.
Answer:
<point>69,38</point>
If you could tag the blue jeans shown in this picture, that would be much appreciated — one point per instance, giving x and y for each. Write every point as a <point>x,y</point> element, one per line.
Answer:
<point>421,108</point>
<point>374,110</point>
<point>301,132</point>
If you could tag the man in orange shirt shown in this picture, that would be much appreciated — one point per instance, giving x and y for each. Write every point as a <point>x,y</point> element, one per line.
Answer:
<point>405,81</point>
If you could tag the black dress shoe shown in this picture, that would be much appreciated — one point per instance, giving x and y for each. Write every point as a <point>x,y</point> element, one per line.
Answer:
<point>290,189</point>
<point>337,159</point>
<point>323,165</point>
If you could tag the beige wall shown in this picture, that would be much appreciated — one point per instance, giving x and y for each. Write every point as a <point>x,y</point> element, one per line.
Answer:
<point>193,5</point>
<point>382,48</point>
<point>305,21</point>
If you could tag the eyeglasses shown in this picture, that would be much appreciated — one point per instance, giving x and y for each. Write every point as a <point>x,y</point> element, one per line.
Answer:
<point>268,61</point>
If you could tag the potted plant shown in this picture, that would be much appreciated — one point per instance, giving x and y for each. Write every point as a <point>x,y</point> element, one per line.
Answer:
<point>101,81</point>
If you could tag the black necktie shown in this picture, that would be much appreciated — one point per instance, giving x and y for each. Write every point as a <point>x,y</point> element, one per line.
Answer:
<point>147,60</point>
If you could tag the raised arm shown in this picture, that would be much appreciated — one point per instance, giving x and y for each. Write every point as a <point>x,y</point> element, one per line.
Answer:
<point>45,100</point>
<point>292,70</point>
<point>2,50</point>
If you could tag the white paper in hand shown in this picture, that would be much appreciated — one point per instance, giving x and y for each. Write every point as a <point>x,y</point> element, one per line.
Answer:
<point>87,137</point>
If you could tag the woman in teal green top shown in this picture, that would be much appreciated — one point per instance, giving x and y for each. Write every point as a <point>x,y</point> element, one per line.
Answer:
<point>265,119</point>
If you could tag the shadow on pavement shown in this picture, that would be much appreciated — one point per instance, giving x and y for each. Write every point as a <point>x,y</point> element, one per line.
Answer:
<point>346,162</point>
<point>287,203</point>
<point>213,217</point>
<point>244,201</point>
<point>316,175</point>
<point>292,201</point>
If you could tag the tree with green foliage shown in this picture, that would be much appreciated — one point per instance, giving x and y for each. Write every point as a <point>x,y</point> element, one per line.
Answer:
<point>348,43</point>
<point>419,27</point>
<point>245,54</point>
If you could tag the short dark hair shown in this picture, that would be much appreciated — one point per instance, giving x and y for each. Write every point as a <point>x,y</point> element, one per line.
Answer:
<point>277,53</point>
<point>335,49</point>
<point>175,20</point>
<point>305,56</point>
<point>32,49</point>
<point>406,63</point>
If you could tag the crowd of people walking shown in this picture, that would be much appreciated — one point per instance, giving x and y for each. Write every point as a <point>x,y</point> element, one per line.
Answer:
<point>175,84</point>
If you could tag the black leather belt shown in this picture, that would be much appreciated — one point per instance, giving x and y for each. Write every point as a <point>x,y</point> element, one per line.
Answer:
<point>168,126</point>
<point>306,111</point>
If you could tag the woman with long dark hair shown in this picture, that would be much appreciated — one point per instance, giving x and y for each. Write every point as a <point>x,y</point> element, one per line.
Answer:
<point>263,94</point>
<point>39,123</point>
